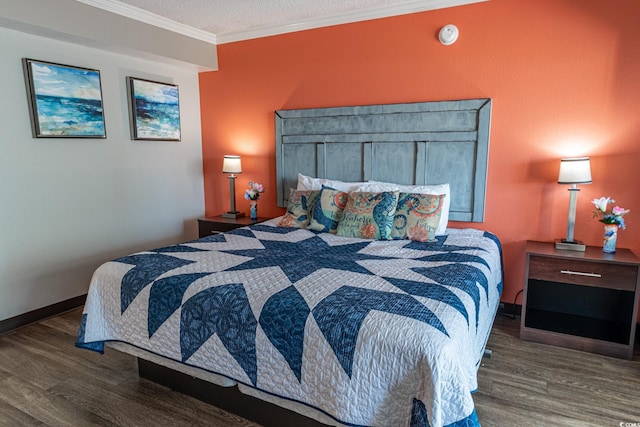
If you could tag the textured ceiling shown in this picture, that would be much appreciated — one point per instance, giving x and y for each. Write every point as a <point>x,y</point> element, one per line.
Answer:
<point>230,20</point>
<point>227,16</point>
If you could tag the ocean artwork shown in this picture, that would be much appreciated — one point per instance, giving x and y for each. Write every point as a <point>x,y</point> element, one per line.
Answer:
<point>65,102</point>
<point>155,110</point>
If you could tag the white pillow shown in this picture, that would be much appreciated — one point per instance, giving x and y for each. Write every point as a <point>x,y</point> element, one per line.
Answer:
<point>423,189</point>
<point>309,183</point>
<point>376,187</point>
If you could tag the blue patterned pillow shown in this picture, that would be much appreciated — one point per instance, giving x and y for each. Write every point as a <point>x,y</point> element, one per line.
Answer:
<point>417,216</point>
<point>327,210</point>
<point>299,208</point>
<point>369,215</point>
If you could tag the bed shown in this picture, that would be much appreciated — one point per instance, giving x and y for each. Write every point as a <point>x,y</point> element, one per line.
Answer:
<point>345,328</point>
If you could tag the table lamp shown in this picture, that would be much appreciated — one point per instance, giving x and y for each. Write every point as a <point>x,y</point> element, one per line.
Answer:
<point>573,171</point>
<point>232,165</point>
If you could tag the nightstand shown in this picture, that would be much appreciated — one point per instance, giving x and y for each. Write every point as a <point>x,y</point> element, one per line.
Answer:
<point>581,300</point>
<point>218,224</point>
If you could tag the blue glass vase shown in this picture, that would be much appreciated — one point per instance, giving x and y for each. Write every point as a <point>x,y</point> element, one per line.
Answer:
<point>610,237</point>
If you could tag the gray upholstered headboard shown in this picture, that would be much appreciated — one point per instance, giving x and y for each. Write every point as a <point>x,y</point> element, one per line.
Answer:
<point>417,143</point>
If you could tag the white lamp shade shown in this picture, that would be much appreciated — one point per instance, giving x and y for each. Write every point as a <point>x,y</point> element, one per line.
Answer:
<point>231,164</point>
<point>575,170</point>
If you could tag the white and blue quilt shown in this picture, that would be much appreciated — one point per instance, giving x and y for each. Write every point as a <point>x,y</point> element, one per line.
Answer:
<point>367,333</point>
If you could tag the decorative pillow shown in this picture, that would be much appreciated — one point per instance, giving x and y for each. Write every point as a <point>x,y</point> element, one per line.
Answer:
<point>426,189</point>
<point>299,208</point>
<point>368,215</point>
<point>327,210</point>
<point>417,216</point>
<point>309,183</point>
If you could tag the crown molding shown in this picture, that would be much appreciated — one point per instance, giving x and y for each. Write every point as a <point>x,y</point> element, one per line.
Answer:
<point>142,15</point>
<point>147,17</point>
<point>345,18</point>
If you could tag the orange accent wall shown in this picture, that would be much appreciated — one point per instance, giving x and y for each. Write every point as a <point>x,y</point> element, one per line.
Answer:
<point>563,76</point>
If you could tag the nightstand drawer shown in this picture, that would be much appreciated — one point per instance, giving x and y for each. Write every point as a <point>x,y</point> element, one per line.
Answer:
<point>612,276</point>
<point>207,228</point>
<point>218,224</point>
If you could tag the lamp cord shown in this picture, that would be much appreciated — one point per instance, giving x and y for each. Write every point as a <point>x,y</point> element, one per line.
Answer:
<point>513,307</point>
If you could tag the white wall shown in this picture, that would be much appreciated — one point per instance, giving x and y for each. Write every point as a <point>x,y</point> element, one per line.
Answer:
<point>68,205</point>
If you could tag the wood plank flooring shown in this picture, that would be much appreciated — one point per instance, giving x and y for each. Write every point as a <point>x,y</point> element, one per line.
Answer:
<point>46,381</point>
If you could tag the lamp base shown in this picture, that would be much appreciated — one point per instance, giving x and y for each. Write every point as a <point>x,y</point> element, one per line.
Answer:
<point>565,245</point>
<point>233,215</point>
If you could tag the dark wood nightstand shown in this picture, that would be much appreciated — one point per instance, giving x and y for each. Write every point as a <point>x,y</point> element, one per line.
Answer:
<point>581,300</point>
<point>218,224</point>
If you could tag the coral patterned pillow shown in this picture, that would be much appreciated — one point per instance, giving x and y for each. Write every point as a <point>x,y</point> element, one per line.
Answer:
<point>299,208</point>
<point>417,216</point>
<point>368,215</point>
<point>327,210</point>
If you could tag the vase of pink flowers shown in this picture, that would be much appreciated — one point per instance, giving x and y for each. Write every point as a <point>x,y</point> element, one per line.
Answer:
<point>252,193</point>
<point>613,219</point>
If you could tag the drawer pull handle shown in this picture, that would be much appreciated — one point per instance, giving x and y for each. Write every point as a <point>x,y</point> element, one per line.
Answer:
<point>580,273</point>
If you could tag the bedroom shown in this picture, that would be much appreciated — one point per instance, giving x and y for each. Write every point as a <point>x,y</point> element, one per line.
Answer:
<point>559,73</point>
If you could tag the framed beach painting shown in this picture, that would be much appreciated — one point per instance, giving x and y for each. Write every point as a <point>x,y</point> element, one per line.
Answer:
<point>64,101</point>
<point>154,110</point>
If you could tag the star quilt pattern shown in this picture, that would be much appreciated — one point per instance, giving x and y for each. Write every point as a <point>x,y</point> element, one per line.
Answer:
<point>367,332</point>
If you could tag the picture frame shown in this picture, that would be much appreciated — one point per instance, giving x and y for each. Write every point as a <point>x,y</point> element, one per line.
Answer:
<point>154,109</point>
<point>64,101</point>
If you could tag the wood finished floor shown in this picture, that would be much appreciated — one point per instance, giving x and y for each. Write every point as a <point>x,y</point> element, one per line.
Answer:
<point>46,381</point>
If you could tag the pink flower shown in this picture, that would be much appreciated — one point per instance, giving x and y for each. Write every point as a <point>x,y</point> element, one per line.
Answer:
<point>619,211</point>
